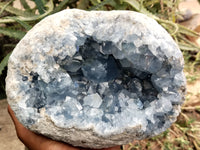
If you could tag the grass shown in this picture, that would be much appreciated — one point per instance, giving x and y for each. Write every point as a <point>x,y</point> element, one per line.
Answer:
<point>191,74</point>
<point>182,135</point>
<point>191,78</point>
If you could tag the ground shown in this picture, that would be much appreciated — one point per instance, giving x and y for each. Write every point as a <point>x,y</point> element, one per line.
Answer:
<point>8,138</point>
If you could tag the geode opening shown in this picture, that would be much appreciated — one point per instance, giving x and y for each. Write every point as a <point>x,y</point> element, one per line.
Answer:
<point>97,78</point>
<point>95,70</point>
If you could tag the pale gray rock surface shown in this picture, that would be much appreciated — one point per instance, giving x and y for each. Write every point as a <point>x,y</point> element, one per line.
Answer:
<point>96,79</point>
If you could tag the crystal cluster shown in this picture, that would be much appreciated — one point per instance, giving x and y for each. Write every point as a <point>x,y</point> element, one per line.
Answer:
<point>96,79</point>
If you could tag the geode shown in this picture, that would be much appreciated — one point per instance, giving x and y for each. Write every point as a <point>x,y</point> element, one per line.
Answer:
<point>96,79</point>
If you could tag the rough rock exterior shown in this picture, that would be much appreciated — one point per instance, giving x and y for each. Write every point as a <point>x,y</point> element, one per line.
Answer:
<point>96,79</point>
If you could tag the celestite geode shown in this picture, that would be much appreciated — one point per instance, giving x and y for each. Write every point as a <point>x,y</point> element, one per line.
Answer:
<point>96,79</point>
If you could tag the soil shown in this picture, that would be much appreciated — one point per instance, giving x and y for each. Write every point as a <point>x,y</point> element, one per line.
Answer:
<point>8,137</point>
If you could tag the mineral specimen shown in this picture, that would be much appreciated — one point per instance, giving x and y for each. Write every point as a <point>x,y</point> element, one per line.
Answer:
<point>96,79</point>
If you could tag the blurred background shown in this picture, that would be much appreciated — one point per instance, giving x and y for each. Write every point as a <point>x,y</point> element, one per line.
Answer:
<point>181,18</point>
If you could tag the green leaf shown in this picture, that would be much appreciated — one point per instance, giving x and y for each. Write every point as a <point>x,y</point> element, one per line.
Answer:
<point>134,4</point>
<point>49,5</point>
<point>192,45</point>
<point>4,62</point>
<point>99,5</point>
<point>186,47</point>
<point>25,4</point>
<point>172,27</point>
<point>83,4</point>
<point>4,7</point>
<point>40,6</point>
<point>24,24</point>
<point>119,5</point>
<point>187,31</point>
<point>5,20</point>
<point>153,2</point>
<point>95,2</point>
<point>15,11</point>
<point>140,8</point>
<point>12,33</point>
<point>60,6</point>
<point>9,45</point>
